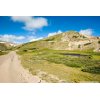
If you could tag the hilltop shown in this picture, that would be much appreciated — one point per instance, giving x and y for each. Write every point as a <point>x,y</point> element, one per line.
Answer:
<point>70,40</point>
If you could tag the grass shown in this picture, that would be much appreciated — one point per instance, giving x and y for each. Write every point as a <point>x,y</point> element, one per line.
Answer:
<point>92,70</point>
<point>64,67</point>
<point>3,52</point>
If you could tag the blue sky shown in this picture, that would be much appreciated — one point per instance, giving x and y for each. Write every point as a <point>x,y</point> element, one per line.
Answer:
<point>25,28</point>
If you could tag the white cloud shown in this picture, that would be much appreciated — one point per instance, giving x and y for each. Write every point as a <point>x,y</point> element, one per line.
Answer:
<point>33,38</point>
<point>21,18</point>
<point>11,38</point>
<point>86,32</point>
<point>18,39</point>
<point>31,23</point>
<point>54,33</point>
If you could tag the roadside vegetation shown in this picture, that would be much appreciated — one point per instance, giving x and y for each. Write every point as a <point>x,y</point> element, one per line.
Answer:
<point>5,49</point>
<point>62,65</point>
<point>3,52</point>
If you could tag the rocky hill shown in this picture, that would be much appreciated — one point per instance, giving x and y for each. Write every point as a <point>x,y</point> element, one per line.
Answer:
<point>5,45</point>
<point>71,40</point>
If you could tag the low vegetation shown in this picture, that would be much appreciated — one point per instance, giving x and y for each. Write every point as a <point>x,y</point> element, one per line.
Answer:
<point>3,52</point>
<point>4,49</point>
<point>50,56</point>
<point>69,66</point>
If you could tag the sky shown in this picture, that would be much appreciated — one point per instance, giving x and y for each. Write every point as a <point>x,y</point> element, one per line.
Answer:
<point>21,29</point>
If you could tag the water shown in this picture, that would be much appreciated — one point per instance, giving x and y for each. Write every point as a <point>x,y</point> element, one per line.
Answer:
<point>72,54</point>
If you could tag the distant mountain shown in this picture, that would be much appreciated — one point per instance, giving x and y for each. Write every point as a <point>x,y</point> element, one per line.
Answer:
<point>71,40</point>
<point>6,45</point>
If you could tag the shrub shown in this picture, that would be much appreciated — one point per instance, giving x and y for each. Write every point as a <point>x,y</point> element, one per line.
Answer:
<point>79,46</point>
<point>75,36</point>
<point>25,50</point>
<point>99,42</point>
<point>84,37</point>
<point>87,44</point>
<point>94,70</point>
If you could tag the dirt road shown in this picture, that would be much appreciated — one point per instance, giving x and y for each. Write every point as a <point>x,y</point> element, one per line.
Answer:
<point>11,70</point>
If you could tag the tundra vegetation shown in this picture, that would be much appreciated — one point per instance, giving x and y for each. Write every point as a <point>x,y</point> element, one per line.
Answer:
<point>68,66</point>
<point>65,57</point>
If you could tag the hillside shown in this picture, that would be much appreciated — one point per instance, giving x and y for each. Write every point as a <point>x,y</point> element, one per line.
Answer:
<point>71,40</point>
<point>5,47</point>
<point>65,57</point>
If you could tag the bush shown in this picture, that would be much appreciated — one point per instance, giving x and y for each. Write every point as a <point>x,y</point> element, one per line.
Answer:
<point>3,52</point>
<point>94,70</point>
<point>87,44</point>
<point>84,37</point>
<point>79,46</point>
<point>75,36</point>
<point>99,42</point>
<point>25,50</point>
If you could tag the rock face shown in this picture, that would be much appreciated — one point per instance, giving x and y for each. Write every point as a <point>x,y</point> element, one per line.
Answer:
<point>71,40</point>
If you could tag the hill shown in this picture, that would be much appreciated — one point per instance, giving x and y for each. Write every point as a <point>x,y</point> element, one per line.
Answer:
<point>5,47</point>
<point>65,57</point>
<point>71,40</point>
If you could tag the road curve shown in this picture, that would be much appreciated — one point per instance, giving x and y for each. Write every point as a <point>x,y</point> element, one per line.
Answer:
<point>11,70</point>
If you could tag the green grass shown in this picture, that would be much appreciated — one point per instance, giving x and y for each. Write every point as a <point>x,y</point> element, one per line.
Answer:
<point>3,52</point>
<point>95,70</point>
<point>67,68</point>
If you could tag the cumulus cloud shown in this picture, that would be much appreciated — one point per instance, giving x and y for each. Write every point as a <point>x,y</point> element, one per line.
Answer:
<point>86,32</point>
<point>54,33</point>
<point>31,23</point>
<point>21,18</point>
<point>11,38</point>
